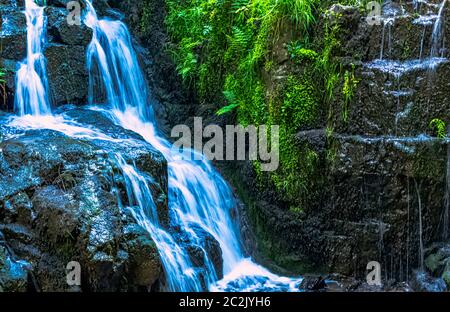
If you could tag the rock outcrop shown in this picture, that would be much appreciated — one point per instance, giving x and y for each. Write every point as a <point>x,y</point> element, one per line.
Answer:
<point>62,199</point>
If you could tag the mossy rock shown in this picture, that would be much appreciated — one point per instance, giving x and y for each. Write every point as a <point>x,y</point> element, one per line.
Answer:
<point>446,275</point>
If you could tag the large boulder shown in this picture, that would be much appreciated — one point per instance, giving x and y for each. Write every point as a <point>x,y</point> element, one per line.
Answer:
<point>61,200</point>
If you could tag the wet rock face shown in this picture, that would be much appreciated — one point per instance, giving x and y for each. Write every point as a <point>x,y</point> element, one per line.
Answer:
<point>381,192</point>
<point>65,52</point>
<point>59,202</point>
<point>388,178</point>
<point>207,246</point>
<point>386,171</point>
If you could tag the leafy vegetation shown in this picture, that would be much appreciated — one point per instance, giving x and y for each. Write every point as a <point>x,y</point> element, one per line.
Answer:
<point>231,52</point>
<point>439,127</point>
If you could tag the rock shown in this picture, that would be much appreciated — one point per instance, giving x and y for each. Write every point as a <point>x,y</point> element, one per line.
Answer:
<point>424,283</point>
<point>58,215</point>
<point>201,244</point>
<point>145,265</point>
<point>62,32</point>
<point>436,262</point>
<point>344,14</point>
<point>13,274</point>
<point>13,34</point>
<point>67,74</point>
<point>316,139</point>
<point>14,231</point>
<point>313,283</point>
<point>62,206</point>
<point>18,209</point>
<point>446,274</point>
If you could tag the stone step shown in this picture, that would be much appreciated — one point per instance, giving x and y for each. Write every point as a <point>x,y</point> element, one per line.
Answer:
<point>400,34</point>
<point>396,98</point>
<point>422,7</point>
<point>402,38</point>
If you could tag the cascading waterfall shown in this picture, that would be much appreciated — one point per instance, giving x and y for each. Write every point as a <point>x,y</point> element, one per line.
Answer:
<point>198,195</point>
<point>35,113</point>
<point>31,94</point>
<point>175,261</point>
<point>437,38</point>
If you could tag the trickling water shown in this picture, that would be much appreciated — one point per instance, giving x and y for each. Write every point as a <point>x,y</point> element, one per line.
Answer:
<point>198,195</point>
<point>419,204</point>
<point>437,38</point>
<point>445,215</point>
<point>387,23</point>
<point>31,80</point>
<point>422,40</point>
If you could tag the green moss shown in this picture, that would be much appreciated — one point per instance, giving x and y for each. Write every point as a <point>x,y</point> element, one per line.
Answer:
<point>221,49</point>
<point>350,84</point>
<point>146,17</point>
<point>226,52</point>
<point>300,53</point>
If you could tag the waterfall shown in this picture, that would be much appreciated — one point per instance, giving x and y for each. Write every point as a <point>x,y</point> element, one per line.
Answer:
<point>31,80</point>
<point>110,52</point>
<point>437,38</point>
<point>198,195</point>
<point>175,261</point>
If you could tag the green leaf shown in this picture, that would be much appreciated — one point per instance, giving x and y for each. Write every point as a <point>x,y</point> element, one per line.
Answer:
<point>227,109</point>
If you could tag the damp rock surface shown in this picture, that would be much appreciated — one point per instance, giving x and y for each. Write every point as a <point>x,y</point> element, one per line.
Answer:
<point>62,199</point>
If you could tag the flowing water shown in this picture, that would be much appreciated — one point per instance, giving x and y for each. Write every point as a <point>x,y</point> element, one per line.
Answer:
<point>437,38</point>
<point>198,195</point>
<point>419,204</point>
<point>446,212</point>
<point>32,89</point>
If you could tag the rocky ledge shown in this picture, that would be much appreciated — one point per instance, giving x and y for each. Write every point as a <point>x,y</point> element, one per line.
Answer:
<point>60,201</point>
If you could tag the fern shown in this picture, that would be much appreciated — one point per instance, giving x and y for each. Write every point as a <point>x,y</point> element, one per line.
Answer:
<point>239,39</point>
<point>226,109</point>
<point>231,98</point>
<point>236,5</point>
<point>439,127</point>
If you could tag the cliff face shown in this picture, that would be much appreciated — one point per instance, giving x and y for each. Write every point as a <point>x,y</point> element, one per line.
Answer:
<point>380,180</point>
